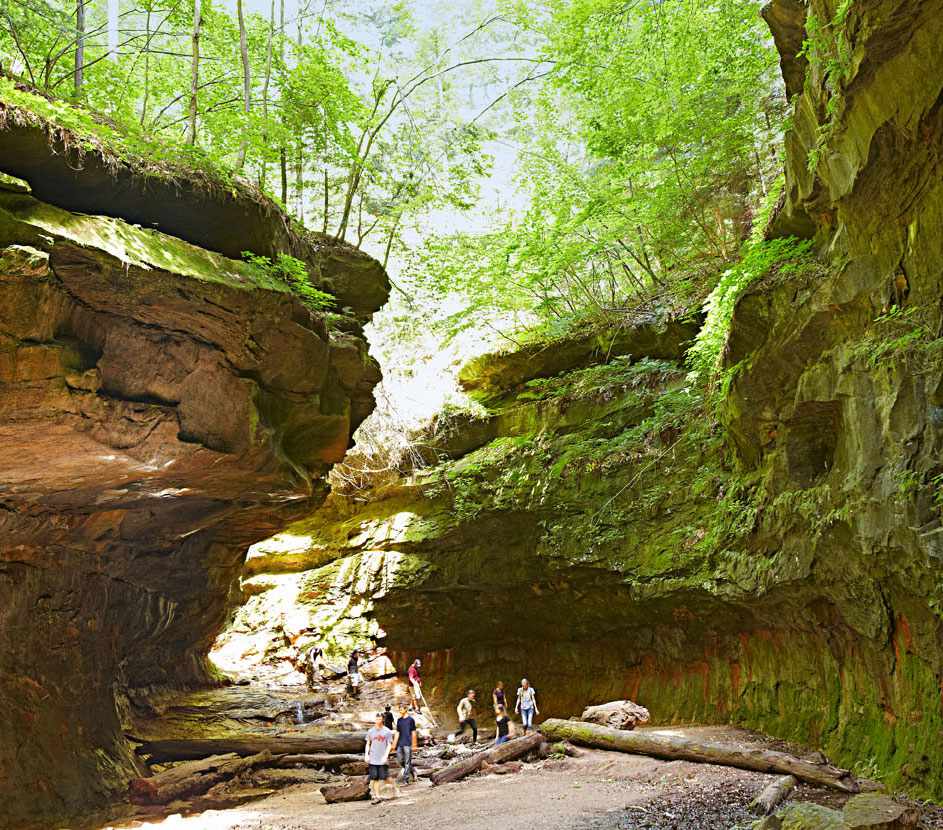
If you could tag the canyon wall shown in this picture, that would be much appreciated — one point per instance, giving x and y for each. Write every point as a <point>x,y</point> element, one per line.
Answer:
<point>162,407</point>
<point>768,553</point>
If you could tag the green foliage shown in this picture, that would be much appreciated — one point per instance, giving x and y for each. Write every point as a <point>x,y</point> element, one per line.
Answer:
<point>898,334</point>
<point>640,171</point>
<point>829,52</point>
<point>294,274</point>
<point>776,259</point>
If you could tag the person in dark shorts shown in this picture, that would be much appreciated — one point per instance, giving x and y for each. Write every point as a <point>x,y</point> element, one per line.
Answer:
<point>380,742</point>
<point>407,739</point>
<point>505,729</point>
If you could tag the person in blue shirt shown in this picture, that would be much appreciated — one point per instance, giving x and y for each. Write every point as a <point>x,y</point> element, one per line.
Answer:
<point>406,742</point>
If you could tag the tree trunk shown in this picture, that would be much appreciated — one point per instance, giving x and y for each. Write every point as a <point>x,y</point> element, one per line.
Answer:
<point>282,151</point>
<point>246,82</point>
<point>194,72</point>
<point>162,752</point>
<point>618,714</point>
<point>192,778</point>
<point>113,30</point>
<point>147,65</point>
<point>686,749</point>
<point>79,46</point>
<point>358,790</point>
<point>774,794</point>
<point>324,760</point>
<point>513,749</point>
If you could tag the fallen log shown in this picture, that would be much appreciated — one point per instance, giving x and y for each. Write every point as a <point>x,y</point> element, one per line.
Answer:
<point>509,751</point>
<point>326,760</point>
<point>773,795</point>
<point>193,778</point>
<point>162,752</point>
<point>356,790</point>
<point>676,748</point>
<point>618,714</point>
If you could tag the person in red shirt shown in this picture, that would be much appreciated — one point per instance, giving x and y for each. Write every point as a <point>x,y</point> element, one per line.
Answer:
<point>415,684</point>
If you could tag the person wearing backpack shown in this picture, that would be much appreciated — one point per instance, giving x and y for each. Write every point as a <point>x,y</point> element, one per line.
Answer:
<point>526,704</point>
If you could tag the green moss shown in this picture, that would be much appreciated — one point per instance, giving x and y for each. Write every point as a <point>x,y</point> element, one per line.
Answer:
<point>87,132</point>
<point>134,246</point>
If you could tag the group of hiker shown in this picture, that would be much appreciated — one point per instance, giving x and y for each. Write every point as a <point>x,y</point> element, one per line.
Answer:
<point>526,705</point>
<point>401,734</point>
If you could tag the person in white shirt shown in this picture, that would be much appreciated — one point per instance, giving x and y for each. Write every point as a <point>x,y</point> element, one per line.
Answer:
<point>466,715</point>
<point>526,704</point>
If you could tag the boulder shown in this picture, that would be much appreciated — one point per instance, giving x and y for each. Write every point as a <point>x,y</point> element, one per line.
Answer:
<point>875,811</point>
<point>618,714</point>
<point>805,816</point>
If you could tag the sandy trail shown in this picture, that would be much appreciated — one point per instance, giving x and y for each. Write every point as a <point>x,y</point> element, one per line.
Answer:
<point>600,789</point>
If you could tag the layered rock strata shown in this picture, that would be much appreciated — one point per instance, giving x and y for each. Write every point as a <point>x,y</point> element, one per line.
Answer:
<point>162,407</point>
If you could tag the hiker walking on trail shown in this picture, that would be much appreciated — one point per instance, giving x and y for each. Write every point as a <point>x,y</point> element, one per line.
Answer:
<point>415,684</point>
<point>380,741</point>
<point>313,661</point>
<point>407,740</point>
<point>353,672</point>
<point>505,729</point>
<point>466,715</point>
<point>497,696</point>
<point>526,704</point>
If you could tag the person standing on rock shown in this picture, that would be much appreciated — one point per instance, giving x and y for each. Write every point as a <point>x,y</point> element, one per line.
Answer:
<point>353,672</point>
<point>415,684</point>
<point>466,715</point>
<point>380,741</point>
<point>388,716</point>
<point>498,697</point>
<point>505,729</point>
<point>407,740</point>
<point>313,661</point>
<point>526,704</point>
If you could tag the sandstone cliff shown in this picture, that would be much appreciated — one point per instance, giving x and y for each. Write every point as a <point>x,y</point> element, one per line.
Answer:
<point>775,562</point>
<point>162,406</point>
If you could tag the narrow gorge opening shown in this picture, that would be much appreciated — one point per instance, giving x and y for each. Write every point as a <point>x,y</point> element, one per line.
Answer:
<point>588,344</point>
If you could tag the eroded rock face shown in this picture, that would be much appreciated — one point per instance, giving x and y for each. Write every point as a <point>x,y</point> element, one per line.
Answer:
<point>82,174</point>
<point>596,533</point>
<point>162,407</point>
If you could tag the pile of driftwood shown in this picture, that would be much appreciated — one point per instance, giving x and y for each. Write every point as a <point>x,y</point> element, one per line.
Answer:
<point>208,765</point>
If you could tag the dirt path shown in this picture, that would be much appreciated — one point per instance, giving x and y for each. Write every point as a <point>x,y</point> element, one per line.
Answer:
<point>599,791</point>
